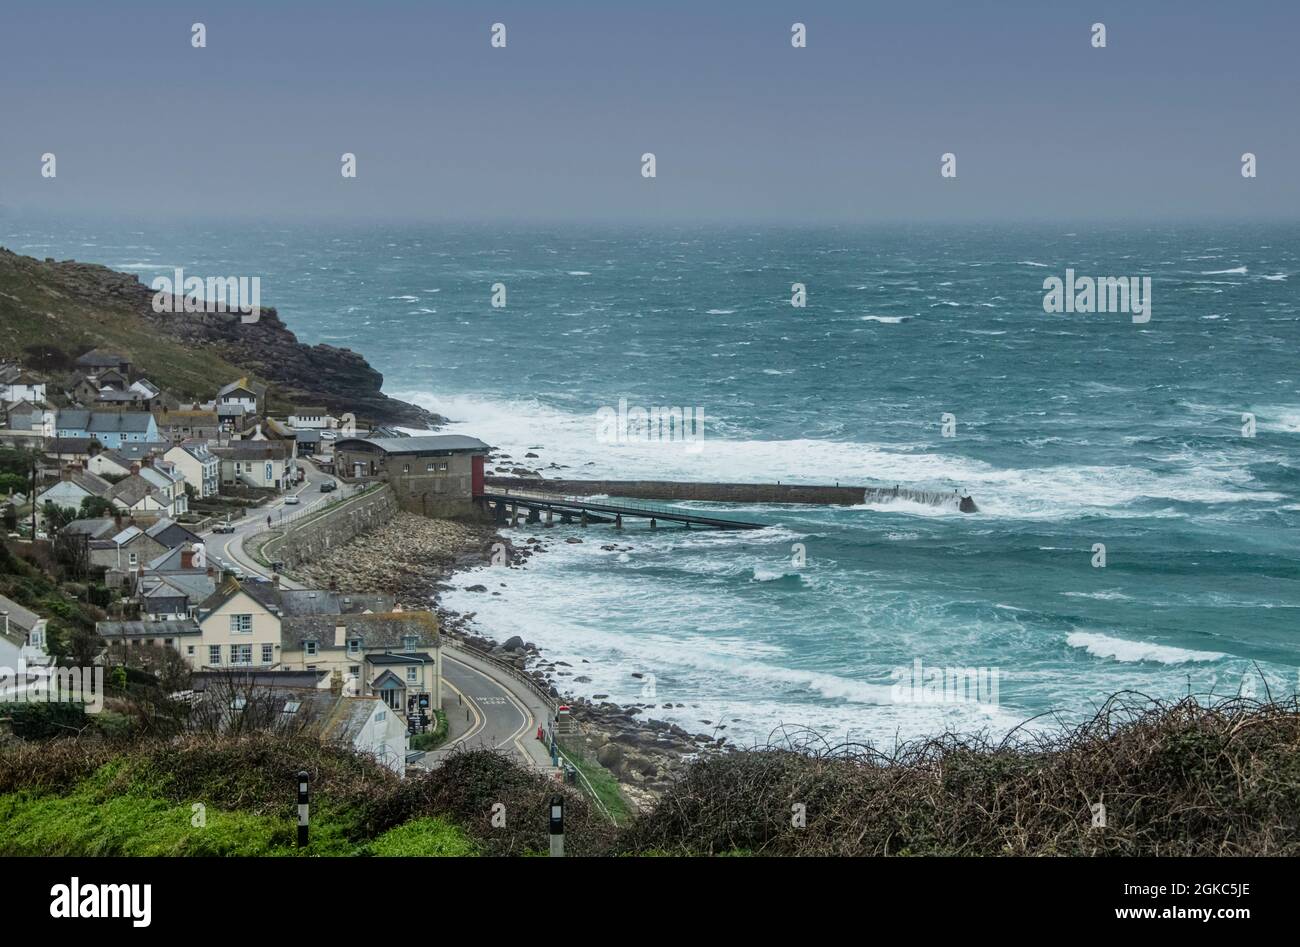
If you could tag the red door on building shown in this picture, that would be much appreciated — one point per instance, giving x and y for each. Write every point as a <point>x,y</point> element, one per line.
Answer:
<point>477,474</point>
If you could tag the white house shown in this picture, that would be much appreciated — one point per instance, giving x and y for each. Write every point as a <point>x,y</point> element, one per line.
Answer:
<point>240,394</point>
<point>76,485</point>
<point>199,466</point>
<point>22,635</point>
<point>255,464</point>
<point>312,418</point>
<point>18,384</point>
<point>136,494</point>
<point>170,482</point>
<point>110,463</point>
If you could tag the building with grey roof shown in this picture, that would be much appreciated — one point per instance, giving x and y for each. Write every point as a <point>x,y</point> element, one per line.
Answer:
<point>434,475</point>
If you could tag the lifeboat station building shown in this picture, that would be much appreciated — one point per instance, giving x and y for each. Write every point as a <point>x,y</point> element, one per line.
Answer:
<point>435,475</point>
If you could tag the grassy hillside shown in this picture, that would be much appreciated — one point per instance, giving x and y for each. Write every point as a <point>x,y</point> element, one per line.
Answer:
<point>74,307</point>
<point>40,305</point>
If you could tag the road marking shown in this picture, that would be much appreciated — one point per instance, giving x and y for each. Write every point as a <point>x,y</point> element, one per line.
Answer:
<point>478,717</point>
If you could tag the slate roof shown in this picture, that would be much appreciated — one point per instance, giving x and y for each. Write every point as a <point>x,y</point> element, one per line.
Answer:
<point>253,450</point>
<point>180,628</point>
<point>425,444</point>
<point>134,489</point>
<point>382,630</point>
<point>23,618</point>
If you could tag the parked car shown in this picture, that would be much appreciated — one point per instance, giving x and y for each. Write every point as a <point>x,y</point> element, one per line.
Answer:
<point>327,485</point>
<point>291,500</point>
<point>224,528</point>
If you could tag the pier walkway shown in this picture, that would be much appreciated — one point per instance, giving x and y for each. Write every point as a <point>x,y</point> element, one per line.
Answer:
<point>506,503</point>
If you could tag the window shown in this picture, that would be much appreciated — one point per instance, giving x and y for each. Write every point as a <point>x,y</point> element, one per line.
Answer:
<point>38,639</point>
<point>442,467</point>
<point>412,674</point>
<point>354,646</point>
<point>132,559</point>
<point>189,650</point>
<point>268,653</point>
<point>241,654</point>
<point>310,648</point>
<point>406,468</point>
<point>408,642</point>
<point>354,670</point>
<point>429,468</point>
<point>241,624</point>
<point>382,715</point>
<point>214,654</point>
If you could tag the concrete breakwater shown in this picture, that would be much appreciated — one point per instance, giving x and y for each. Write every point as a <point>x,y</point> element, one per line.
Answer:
<point>736,492</point>
<point>336,525</point>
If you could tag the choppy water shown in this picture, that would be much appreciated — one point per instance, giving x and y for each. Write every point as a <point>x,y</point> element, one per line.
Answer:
<point>1071,430</point>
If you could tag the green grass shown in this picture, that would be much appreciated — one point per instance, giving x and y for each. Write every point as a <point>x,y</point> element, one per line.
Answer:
<point>422,838</point>
<point>602,781</point>
<point>112,812</point>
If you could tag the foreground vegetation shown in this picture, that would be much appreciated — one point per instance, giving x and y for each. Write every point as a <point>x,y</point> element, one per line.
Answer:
<point>1180,779</point>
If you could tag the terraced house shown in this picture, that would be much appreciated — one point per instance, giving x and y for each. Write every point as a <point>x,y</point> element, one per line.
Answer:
<point>370,646</point>
<point>112,429</point>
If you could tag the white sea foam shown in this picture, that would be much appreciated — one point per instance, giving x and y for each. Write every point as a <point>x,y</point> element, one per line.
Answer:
<point>890,320</point>
<point>1121,649</point>
<point>720,312</point>
<point>1054,492</point>
<point>1235,271</point>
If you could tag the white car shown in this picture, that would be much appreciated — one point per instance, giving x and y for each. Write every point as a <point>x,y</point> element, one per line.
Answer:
<point>291,500</point>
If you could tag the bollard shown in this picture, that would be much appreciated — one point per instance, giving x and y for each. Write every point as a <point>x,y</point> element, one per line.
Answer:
<point>302,808</point>
<point>557,826</point>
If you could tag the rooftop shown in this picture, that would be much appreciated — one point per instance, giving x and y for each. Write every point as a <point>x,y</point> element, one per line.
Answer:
<point>424,444</point>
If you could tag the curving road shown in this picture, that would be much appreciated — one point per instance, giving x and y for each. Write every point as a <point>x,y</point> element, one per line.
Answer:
<point>485,709</point>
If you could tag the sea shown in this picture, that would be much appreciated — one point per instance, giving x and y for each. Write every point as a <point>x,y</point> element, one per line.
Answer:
<point>1137,481</point>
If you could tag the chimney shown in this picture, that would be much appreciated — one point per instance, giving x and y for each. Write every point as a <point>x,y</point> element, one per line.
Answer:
<point>336,682</point>
<point>187,557</point>
<point>275,580</point>
<point>66,473</point>
<point>135,468</point>
<point>340,633</point>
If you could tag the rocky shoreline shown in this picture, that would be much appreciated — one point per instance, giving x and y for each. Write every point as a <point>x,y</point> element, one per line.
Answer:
<point>414,558</point>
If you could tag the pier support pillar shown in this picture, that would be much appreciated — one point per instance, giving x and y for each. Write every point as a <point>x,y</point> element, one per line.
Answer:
<point>584,519</point>
<point>534,515</point>
<point>618,521</point>
<point>565,518</point>
<point>548,517</point>
<point>653,523</point>
<point>514,514</point>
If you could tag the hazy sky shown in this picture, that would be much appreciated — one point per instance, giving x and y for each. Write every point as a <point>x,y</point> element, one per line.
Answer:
<point>744,127</point>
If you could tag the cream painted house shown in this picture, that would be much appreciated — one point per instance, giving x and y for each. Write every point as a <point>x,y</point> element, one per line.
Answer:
<point>394,655</point>
<point>390,653</point>
<point>239,627</point>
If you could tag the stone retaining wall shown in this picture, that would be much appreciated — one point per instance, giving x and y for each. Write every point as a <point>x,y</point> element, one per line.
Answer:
<point>335,527</point>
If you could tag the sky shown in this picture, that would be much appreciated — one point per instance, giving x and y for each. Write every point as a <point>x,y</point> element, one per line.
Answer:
<point>743,126</point>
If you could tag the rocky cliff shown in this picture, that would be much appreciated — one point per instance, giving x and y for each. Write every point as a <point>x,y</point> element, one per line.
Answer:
<point>49,309</point>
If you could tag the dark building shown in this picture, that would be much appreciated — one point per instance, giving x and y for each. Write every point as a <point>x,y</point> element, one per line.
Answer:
<point>434,475</point>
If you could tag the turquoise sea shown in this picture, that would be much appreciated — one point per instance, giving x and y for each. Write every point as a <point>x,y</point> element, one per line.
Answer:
<point>1070,430</point>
